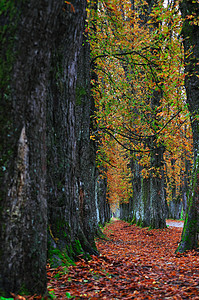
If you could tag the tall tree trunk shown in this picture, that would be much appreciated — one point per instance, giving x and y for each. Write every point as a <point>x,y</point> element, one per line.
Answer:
<point>71,160</point>
<point>104,214</point>
<point>141,196</point>
<point>23,216</point>
<point>149,206</point>
<point>190,32</point>
<point>157,193</point>
<point>175,204</point>
<point>86,149</point>
<point>126,213</point>
<point>102,206</point>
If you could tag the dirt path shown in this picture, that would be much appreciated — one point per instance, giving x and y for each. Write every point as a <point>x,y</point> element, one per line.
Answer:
<point>169,222</point>
<point>135,263</point>
<point>175,223</point>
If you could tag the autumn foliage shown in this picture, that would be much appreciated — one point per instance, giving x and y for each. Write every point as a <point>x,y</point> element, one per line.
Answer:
<point>140,97</point>
<point>134,263</point>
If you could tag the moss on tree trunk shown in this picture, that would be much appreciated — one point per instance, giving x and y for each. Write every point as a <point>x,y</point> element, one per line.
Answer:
<point>190,33</point>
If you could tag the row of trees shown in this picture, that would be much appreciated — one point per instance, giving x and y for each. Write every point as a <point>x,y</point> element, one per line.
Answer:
<point>52,193</point>
<point>147,129</point>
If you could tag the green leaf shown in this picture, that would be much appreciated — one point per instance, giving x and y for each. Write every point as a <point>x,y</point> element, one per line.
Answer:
<point>68,295</point>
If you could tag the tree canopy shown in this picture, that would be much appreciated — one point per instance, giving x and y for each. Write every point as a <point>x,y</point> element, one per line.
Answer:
<point>139,58</point>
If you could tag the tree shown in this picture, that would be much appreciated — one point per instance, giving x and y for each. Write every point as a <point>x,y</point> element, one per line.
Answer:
<point>66,190</point>
<point>71,166</point>
<point>28,29</point>
<point>42,44</point>
<point>141,104</point>
<point>190,33</point>
<point>102,205</point>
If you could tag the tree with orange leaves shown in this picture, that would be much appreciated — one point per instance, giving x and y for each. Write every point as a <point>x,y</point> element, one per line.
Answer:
<point>140,95</point>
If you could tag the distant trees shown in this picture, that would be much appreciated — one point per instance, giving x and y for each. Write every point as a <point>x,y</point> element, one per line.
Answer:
<point>141,107</point>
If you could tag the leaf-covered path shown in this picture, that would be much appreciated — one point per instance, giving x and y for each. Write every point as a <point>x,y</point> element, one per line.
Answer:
<point>134,263</point>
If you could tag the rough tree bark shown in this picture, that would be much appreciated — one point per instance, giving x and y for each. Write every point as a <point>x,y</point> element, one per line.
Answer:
<point>86,149</point>
<point>71,160</point>
<point>104,212</point>
<point>126,211</point>
<point>92,189</point>
<point>175,208</point>
<point>157,185</point>
<point>101,205</point>
<point>190,33</point>
<point>29,28</point>
<point>157,176</point>
<point>141,196</point>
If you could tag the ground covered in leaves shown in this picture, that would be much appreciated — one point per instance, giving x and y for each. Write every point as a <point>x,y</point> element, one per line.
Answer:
<point>135,263</point>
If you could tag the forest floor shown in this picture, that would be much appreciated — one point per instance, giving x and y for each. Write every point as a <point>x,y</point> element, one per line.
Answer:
<point>134,263</point>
